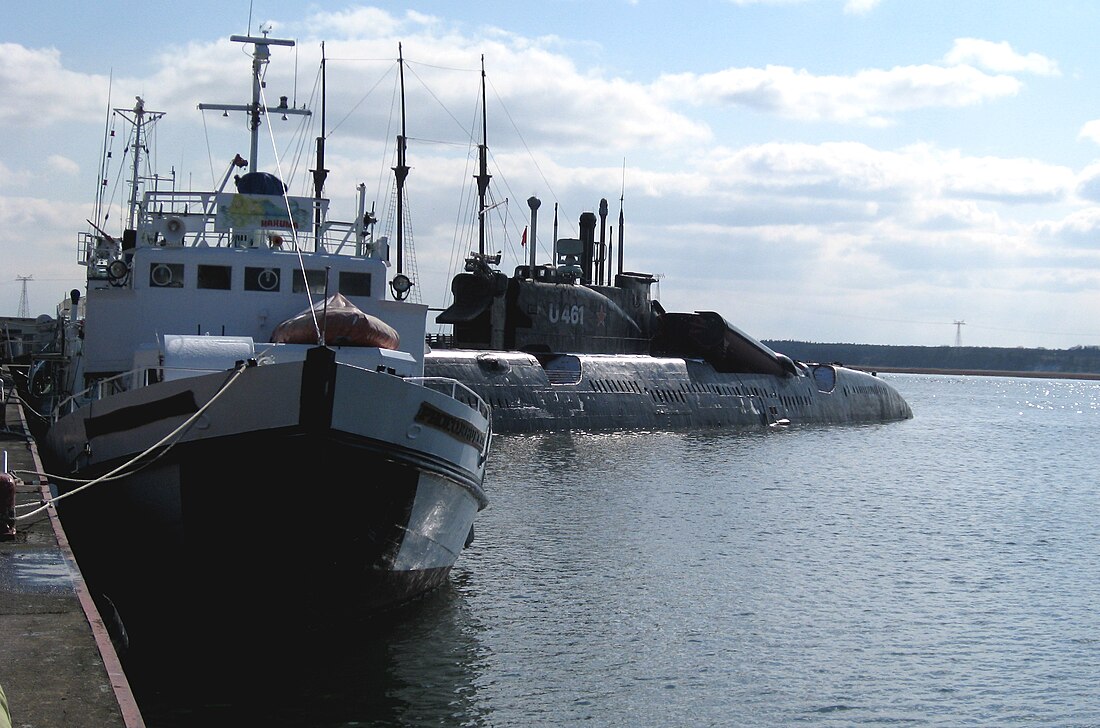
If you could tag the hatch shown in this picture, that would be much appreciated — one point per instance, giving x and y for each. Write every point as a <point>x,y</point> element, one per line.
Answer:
<point>825,378</point>
<point>561,368</point>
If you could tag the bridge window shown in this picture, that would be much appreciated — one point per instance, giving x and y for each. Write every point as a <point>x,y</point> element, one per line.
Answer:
<point>215,277</point>
<point>316,279</point>
<point>353,283</point>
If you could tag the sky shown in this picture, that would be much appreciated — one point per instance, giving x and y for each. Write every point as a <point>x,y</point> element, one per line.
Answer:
<point>858,171</point>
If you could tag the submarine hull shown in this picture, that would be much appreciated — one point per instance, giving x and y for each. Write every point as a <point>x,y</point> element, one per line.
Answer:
<point>554,392</point>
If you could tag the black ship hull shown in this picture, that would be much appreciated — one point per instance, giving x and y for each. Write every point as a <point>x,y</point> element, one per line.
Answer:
<point>306,510</point>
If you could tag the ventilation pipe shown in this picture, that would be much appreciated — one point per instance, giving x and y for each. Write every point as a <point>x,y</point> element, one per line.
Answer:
<point>588,242</point>
<point>533,202</point>
<point>605,257</point>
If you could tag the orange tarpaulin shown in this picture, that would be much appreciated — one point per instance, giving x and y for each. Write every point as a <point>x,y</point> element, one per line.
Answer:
<point>342,323</point>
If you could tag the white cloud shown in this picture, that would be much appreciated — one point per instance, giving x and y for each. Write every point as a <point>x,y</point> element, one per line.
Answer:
<point>57,164</point>
<point>860,7</point>
<point>831,170</point>
<point>365,23</point>
<point>851,7</point>
<point>1090,131</point>
<point>55,94</point>
<point>1088,182</point>
<point>867,97</point>
<point>1079,229</point>
<point>1004,180</point>
<point>853,171</point>
<point>999,58</point>
<point>768,2</point>
<point>546,96</point>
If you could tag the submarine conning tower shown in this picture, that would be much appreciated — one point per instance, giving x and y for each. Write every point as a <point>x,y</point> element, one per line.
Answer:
<point>553,307</point>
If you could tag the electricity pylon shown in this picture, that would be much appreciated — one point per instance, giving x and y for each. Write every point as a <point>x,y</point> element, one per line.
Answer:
<point>24,304</point>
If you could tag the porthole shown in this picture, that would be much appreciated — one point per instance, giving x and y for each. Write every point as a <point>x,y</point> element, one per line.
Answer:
<point>166,275</point>
<point>268,279</point>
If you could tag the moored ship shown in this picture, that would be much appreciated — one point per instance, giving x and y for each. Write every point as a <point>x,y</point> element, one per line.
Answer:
<point>237,420</point>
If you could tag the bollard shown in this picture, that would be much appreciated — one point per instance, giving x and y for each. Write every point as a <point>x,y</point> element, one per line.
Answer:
<point>7,506</point>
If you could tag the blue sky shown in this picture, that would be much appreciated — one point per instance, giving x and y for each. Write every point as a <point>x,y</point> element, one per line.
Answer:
<point>866,171</point>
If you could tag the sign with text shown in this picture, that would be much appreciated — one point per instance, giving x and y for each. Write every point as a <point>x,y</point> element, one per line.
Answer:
<point>242,213</point>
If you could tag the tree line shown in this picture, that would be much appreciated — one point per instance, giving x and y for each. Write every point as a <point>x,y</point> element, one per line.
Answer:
<point>1076,360</point>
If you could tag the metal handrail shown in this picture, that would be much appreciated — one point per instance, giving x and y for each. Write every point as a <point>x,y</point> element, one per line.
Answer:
<point>469,397</point>
<point>115,385</point>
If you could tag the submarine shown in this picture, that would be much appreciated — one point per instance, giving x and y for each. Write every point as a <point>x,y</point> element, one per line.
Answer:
<point>570,345</point>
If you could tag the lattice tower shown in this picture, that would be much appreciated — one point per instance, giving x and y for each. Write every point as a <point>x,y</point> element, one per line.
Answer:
<point>24,302</point>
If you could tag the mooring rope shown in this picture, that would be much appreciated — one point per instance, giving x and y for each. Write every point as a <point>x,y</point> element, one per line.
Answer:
<point>121,471</point>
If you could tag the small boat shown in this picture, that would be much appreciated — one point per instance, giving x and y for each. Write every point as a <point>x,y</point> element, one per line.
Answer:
<point>237,420</point>
<point>567,345</point>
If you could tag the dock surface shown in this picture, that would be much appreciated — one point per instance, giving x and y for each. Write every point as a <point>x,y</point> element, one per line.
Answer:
<point>57,664</point>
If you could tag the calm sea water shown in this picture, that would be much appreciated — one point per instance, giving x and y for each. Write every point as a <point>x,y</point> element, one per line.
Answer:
<point>943,571</point>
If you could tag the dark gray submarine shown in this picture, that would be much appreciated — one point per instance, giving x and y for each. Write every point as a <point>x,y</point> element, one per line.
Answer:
<point>568,346</point>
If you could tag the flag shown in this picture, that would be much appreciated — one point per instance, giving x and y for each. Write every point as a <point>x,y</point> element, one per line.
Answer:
<point>523,242</point>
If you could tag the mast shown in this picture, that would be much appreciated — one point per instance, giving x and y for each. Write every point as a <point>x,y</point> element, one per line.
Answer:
<point>401,171</point>
<point>139,116</point>
<point>320,174</point>
<point>483,164</point>
<point>554,262</point>
<point>261,54</point>
<point>141,121</point>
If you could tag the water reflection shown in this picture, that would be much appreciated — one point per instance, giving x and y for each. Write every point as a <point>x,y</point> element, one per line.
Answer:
<point>417,666</point>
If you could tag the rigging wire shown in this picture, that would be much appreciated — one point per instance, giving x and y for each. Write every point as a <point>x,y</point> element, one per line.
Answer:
<point>104,155</point>
<point>209,152</point>
<point>362,99</point>
<point>293,229</point>
<point>523,141</point>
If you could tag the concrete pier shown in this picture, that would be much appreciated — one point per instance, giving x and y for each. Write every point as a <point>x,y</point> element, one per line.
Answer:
<point>57,664</point>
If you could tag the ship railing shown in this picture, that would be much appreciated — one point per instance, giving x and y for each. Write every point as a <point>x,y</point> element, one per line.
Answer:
<point>440,341</point>
<point>196,212</point>
<point>189,219</point>
<point>135,378</point>
<point>456,390</point>
<point>99,389</point>
<point>118,383</point>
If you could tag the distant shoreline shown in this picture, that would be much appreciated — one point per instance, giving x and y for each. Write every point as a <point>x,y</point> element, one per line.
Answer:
<point>979,372</point>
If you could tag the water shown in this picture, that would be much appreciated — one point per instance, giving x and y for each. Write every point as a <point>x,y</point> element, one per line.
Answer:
<point>942,571</point>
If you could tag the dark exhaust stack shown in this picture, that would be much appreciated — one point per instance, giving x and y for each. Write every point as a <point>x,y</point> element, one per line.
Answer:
<point>533,202</point>
<point>588,241</point>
